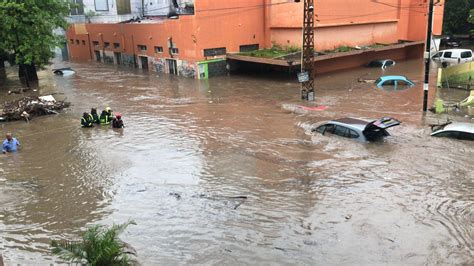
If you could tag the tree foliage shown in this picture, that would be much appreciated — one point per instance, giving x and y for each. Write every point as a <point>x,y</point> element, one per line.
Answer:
<point>470,19</point>
<point>28,26</point>
<point>456,14</point>
<point>99,246</point>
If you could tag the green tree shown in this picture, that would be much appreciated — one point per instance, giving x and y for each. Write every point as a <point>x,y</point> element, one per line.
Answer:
<point>99,246</point>
<point>470,19</point>
<point>456,13</point>
<point>27,31</point>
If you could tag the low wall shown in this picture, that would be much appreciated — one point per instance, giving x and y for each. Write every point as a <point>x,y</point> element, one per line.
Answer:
<point>461,75</point>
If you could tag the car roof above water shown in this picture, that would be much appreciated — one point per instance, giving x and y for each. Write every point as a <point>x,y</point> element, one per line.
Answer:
<point>460,126</point>
<point>352,122</point>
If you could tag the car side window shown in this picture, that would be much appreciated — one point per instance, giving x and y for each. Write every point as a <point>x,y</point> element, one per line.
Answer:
<point>466,136</point>
<point>341,131</point>
<point>448,134</point>
<point>330,128</point>
<point>401,82</point>
<point>353,134</point>
<point>448,54</point>
<point>389,63</point>
<point>466,54</point>
<point>389,83</point>
<point>438,55</point>
<point>321,129</point>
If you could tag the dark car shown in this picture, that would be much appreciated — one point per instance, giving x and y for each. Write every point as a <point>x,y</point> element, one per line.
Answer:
<point>381,63</point>
<point>450,41</point>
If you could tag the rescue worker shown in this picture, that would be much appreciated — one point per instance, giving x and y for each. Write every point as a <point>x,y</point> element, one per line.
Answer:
<point>104,118</point>
<point>117,122</point>
<point>95,116</point>
<point>87,120</point>
<point>10,144</point>
<point>109,113</point>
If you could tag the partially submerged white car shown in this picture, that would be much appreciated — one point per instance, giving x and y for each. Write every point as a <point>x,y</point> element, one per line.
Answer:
<point>457,130</point>
<point>358,129</point>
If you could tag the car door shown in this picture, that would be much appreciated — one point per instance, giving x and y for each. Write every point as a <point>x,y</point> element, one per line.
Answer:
<point>438,56</point>
<point>448,57</point>
<point>466,56</point>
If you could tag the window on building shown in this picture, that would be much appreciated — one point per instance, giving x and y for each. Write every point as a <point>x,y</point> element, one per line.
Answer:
<point>174,51</point>
<point>106,45</point>
<point>101,5</point>
<point>249,47</point>
<point>77,41</point>
<point>71,41</point>
<point>77,8</point>
<point>124,7</point>
<point>95,43</point>
<point>116,45</point>
<point>83,42</point>
<point>215,51</point>
<point>158,49</point>
<point>142,47</point>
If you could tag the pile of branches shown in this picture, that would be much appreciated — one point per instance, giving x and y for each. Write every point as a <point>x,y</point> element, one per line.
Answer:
<point>28,107</point>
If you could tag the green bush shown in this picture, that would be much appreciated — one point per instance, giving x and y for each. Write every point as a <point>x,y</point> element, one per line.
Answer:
<point>100,245</point>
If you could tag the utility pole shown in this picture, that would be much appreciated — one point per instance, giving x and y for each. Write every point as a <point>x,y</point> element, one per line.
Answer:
<point>427,56</point>
<point>307,58</point>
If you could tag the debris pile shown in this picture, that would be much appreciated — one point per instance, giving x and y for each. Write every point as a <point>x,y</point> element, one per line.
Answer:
<point>28,107</point>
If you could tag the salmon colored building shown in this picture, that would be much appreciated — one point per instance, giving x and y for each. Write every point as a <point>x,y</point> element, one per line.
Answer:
<point>196,45</point>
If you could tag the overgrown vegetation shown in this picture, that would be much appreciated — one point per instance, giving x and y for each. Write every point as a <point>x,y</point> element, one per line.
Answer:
<point>275,51</point>
<point>100,245</point>
<point>456,15</point>
<point>470,19</point>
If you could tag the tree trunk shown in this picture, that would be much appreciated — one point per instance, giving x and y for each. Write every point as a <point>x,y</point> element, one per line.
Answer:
<point>28,71</point>
<point>3,72</point>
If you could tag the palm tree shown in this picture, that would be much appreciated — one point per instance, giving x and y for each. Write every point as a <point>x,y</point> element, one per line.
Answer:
<point>99,246</point>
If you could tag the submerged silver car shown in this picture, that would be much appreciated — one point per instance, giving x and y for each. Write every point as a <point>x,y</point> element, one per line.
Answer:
<point>357,128</point>
<point>458,130</point>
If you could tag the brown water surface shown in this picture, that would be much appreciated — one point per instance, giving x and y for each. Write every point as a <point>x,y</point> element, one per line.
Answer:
<point>311,199</point>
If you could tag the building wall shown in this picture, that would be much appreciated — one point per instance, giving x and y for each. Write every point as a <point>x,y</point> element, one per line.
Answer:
<point>350,22</point>
<point>232,23</point>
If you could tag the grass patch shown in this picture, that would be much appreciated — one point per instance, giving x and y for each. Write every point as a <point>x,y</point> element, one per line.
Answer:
<point>275,51</point>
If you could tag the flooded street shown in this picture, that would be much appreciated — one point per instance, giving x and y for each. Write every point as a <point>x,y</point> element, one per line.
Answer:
<point>191,148</point>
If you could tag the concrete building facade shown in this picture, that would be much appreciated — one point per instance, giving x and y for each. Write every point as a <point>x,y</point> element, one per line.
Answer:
<point>196,44</point>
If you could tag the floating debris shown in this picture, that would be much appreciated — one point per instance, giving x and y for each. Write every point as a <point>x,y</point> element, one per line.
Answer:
<point>28,107</point>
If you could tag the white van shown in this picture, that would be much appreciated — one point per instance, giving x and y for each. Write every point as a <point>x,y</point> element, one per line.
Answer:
<point>453,56</point>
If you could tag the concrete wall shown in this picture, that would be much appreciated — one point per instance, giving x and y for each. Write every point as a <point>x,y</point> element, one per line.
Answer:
<point>351,23</point>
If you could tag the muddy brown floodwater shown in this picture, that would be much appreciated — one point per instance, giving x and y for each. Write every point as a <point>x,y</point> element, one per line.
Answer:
<point>190,146</point>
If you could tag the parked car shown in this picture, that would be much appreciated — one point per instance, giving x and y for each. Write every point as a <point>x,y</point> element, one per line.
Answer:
<point>396,81</point>
<point>453,56</point>
<point>457,130</point>
<point>450,41</point>
<point>358,129</point>
<point>383,64</point>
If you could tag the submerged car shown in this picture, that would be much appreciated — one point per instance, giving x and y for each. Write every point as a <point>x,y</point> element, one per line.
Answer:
<point>457,130</point>
<point>358,129</point>
<point>66,71</point>
<point>381,63</point>
<point>396,81</point>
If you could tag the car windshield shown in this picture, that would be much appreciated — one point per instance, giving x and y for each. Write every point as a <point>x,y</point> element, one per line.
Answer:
<point>376,64</point>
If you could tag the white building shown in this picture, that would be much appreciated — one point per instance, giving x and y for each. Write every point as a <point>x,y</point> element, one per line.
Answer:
<point>113,11</point>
